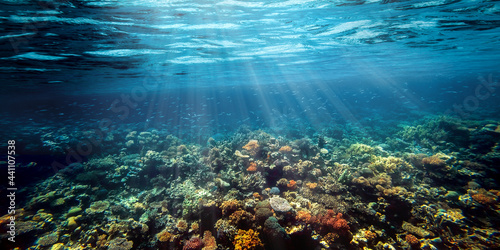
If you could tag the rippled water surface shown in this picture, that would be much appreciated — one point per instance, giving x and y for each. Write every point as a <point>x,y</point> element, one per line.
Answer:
<point>106,45</point>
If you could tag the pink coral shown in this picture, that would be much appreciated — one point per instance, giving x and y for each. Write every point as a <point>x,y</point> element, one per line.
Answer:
<point>194,243</point>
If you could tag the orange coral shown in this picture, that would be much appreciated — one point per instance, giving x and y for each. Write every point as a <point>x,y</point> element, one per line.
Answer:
<point>303,216</point>
<point>411,239</point>
<point>311,185</point>
<point>252,147</point>
<point>369,235</point>
<point>286,149</point>
<point>246,240</point>
<point>228,207</point>
<point>485,198</point>
<point>256,195</point>
<point>164,235</point>
<point>209,241</point>
<point>292,184</point>
<point>252,167</point>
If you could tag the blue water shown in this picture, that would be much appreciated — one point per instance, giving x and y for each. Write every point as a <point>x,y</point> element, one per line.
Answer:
<point>201,69</point>
<point>208,63</point>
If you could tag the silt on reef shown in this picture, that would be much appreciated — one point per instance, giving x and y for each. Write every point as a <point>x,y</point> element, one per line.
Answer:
<point>254,190</point>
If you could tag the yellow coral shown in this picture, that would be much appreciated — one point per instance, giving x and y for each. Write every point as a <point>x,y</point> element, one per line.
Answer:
<point>246,240</point>
<point>387,164</point>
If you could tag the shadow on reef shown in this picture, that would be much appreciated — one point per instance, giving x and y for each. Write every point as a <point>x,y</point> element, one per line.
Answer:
<point>430,185</point>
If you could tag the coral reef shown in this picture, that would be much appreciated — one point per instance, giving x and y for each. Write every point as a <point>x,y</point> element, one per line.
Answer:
<point>427,186</point>
<point>246,240</point>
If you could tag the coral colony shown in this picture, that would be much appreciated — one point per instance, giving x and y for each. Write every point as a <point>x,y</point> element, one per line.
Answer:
<point>257,190</point>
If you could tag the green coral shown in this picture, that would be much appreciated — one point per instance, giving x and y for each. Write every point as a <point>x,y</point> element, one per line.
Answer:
<point>436,133</point>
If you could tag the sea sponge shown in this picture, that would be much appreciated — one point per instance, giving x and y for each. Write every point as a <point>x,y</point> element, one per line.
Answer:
<point>247,240</point>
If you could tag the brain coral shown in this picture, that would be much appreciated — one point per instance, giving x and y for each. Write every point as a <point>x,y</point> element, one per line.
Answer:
<point>280,204</point>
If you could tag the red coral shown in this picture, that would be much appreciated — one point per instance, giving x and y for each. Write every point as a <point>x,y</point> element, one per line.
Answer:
<point>334,221</point>
<point>194,243</point>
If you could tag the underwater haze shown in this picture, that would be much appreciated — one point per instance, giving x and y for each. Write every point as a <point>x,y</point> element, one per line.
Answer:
<point>182,124</point>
